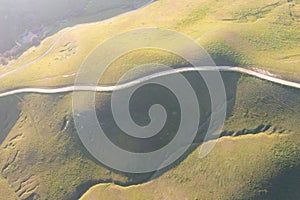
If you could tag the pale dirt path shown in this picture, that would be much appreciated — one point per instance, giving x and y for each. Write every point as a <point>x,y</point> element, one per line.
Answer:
<point>74,88</point>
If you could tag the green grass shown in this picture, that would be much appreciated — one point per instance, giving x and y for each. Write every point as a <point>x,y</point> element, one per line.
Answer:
<point>52,157</point>
<point>238,168</point>
<point>260,101</point>
<point>54,165</point>
<point>264,43</point>
<point>242,167</point>
<point>49,156</point>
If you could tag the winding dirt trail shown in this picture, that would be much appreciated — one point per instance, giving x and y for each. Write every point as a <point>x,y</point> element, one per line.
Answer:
<point>74,88</point>
<point>78,88</point>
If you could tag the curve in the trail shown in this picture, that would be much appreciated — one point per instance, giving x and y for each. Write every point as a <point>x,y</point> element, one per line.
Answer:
<point>64,32</point>
<point>78,88</point>
<point>40,57</point>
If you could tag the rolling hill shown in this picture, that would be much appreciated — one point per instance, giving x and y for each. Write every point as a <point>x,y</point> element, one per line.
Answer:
<point>257,156</point>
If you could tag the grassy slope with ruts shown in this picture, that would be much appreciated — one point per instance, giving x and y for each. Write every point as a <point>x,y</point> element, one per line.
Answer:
<point>43,157</point>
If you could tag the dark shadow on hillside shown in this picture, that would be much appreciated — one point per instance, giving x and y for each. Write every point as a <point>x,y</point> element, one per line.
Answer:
<point>284,186</point>
<point>9,114</point>
<point>152,94</point>
<point>140,103</point>
<point>230,82</point>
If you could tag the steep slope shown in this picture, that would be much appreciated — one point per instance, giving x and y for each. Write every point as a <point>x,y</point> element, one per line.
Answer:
<point>6,190</point>
<point>258,34</point>
<point>259,159</point>
<point>238,168</point>
<point>42,156</point>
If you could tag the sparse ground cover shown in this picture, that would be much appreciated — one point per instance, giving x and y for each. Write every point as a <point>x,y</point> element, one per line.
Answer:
<point>6,190</point>
<point>42,156</point>
<point>263,164</point>
<point>269,42</point>
<point>246,167</point>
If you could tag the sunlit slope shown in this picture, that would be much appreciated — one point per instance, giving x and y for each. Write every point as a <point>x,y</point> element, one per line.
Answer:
<point>261,161</point>
<point>247,167</point>
<point>6,190</point>
<point>43,157</point>
<point>260,34</point>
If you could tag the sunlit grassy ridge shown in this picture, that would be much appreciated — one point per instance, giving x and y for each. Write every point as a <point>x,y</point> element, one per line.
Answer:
<point>43,157</point>
<point>261,34</point>
<point>263,164</point>
<point>239,168</point>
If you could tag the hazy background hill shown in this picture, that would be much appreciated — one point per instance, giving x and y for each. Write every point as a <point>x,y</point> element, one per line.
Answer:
<point>26,22</point>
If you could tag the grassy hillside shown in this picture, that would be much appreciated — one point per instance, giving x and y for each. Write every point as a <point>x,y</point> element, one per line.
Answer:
<point>246,33</point>
<point>43,157</point>
<point>258,157</point>
<point>238,168</point>
<point>6,190</point>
